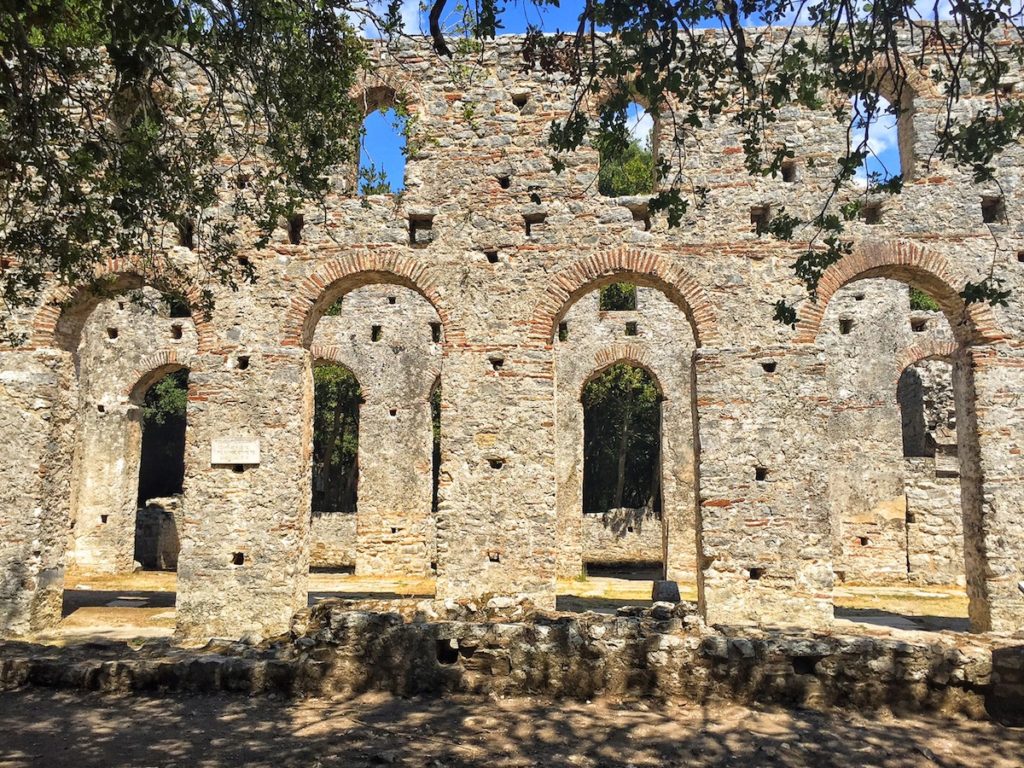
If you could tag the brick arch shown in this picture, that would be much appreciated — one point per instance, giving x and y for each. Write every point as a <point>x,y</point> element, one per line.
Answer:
<point>150,370</point>
<point>633,354</point>
<point>908,263</point>
<point>334,279</point>
<point>920,85</point>
<point>930,350</point>
<point>125,274</point>
<point>643,268</point>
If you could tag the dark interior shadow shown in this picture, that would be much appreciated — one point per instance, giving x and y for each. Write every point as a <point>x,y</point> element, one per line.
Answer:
<point>316,597</point>
<point>573,604</point>
<point>628,571</point>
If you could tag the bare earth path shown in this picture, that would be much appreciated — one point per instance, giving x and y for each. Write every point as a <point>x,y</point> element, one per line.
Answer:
<point>46,728</point>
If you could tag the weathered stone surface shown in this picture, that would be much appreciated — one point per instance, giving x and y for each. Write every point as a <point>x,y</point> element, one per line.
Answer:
<point>781,445</point>
<point>334,650</point>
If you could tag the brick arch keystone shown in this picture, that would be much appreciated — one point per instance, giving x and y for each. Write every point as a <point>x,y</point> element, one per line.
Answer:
<point>649,269</point>
<point>342,275</point>
<point>62,298</point>
<point>908,263</point>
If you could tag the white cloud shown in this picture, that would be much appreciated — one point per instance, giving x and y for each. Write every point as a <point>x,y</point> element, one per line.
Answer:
<point>929,10</point>
<point>411,18</point>
<point>409,12</point>
<point>640,124</point>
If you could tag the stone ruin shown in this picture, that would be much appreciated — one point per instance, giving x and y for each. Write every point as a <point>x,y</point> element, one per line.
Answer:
<point>871,443</point>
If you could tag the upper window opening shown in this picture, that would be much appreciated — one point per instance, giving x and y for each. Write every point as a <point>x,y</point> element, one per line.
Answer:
<point>618,297</point>
<point>922,302</point>
<point>295,224</point>
<point>187,234</point>
<point>626,146</point>
<point>177,306</point>
<point>886,134</point>
<point>382,153</point>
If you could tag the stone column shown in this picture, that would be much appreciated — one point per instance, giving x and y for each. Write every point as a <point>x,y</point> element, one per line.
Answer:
<point>679,510</point>
<point>990,433</point>
<point>107,481</point>
<point>37,397</point>
<point>393,507</point>
<point>244,560</point>
<point>496,517</point>
<point>765,542</point>
<point>569,466</point>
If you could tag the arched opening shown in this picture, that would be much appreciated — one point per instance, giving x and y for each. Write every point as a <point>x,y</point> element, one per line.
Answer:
<point>624,438</point>
<point>894,482</point>
<point>882,125</point>
<point>378,348</point>
<point>622,442</point>
<point>336,400</point>
<point>161,473</point>
<point>130,345</point>
<point>627,152</point>
<point>622,458</point>
<point>382,145</point>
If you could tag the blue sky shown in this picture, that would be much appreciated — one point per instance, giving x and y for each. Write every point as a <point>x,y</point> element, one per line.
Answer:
<point>383,143</point>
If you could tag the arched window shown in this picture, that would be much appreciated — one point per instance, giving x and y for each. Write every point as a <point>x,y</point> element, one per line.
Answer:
<point>162,466</point>
<point>382,152</point>
<point>337,397</point>
<point>621,441</point>
<point>161,472</point>
<point>626,144</point>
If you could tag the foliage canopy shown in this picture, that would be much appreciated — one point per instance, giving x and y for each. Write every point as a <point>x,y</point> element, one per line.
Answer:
<point>336,400</point>
<point>622,440</point>
<point>96,124</point>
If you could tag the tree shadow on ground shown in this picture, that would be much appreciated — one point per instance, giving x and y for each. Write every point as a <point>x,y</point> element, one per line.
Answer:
<point>47,728</point>
<point>884,618</point>
<point>96,598</point>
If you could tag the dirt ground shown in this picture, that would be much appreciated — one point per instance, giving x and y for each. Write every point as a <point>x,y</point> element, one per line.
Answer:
<point>140,605</point>
<point>42,728</point>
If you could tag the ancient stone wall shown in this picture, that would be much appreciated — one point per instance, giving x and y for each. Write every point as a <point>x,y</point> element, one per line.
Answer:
<point>156,533</point>
<point>501,270</point>
<point>657,337</point>
<point>336,650</point>
<point>126,345</point>
<point>869,333</point>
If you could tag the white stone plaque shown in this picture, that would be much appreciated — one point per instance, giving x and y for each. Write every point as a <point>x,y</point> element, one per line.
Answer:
<point>235,450</point>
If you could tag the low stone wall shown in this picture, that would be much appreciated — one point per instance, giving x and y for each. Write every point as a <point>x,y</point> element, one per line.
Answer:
<point>935,525</point>
<point>157,527</point>
<point>332,540</point>
<point>662,652</point>
<point>623,536</point>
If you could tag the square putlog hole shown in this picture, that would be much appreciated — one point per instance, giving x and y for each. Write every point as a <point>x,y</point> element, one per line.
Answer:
<point>421,231</point>
<point>993,210</point>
